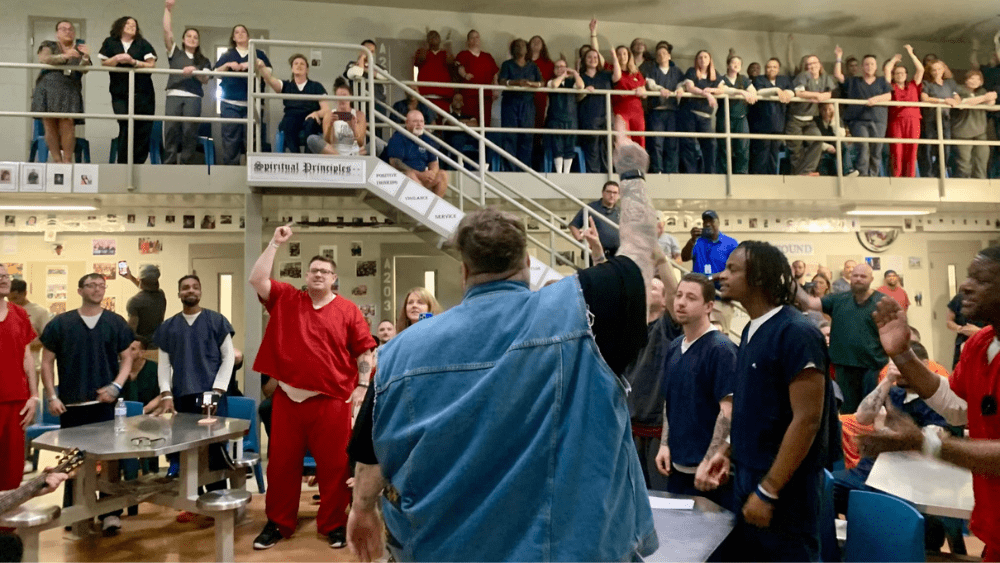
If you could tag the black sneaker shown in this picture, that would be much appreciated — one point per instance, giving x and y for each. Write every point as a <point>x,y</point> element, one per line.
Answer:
<point>338,538</point>
<point>268,536</point>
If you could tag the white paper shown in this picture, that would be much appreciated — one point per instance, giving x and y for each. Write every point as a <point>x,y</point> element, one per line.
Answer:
<point>85,178</point>
<point>59,178</point>
<point>32,177</point>
<point>659,503</point>
<point>387,179</point>
<point>417,197</point>
<point>9,176</point>
<point>445,215</point>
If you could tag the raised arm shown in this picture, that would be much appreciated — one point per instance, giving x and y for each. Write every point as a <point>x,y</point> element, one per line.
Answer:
<point>595,45</point>
<point>889,66</point>
<point>638,219</point>
<point>260,276</point>
<point>616,74</point>
<point>838,66</point>
<point>918,67</point>
<point>806,301</point>
<point>168,32</point>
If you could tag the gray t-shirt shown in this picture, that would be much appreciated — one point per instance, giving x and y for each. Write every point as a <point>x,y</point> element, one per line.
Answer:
<point>968,123</point>
<point>669,245</point>
<point>805,82</point>
<point>947,89</point>
<point>149,307</point>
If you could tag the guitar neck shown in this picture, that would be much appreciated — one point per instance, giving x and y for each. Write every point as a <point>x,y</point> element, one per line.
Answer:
<point>12,499</point>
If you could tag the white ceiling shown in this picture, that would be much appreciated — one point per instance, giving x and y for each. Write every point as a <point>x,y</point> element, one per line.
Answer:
<point>928,20</point>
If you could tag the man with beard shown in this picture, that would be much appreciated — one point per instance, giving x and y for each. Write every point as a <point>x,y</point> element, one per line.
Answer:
<point>91,346</point>
<point>969,396</point>
<point>413,159</point>
<point>196,356</point>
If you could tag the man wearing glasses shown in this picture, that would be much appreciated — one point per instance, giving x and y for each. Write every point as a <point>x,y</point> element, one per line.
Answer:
<point>311,346</point>
<point>19,382</point>
<point>91,347</point>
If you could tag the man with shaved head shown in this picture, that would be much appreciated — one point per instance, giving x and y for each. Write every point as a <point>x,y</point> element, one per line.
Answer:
<point>855,351</point>
<point>843,283</point>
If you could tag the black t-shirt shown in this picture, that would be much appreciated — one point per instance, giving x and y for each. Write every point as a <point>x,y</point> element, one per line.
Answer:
<point>149,307</point>
<point>140,50</point>
<point>615,295</point>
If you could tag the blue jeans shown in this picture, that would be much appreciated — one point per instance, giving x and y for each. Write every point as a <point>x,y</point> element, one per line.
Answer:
<point>663,157</point>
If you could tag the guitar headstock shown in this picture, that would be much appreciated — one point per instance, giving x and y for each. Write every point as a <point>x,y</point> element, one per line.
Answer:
<point>68,461</point>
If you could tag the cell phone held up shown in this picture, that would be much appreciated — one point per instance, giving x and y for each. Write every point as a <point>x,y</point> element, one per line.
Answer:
<point>343,116</point>
<point>122,268</point>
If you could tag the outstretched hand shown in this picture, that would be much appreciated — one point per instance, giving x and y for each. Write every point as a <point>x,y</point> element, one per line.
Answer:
<point>900,434</point>
<point>893,328</point>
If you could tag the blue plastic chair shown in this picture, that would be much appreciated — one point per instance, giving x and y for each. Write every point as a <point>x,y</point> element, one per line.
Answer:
<point>829,548</point>
<point>279,141</point>
<point>40,149</point>
<point>579,164</point>
<point>44,422</point>
<point>883,528</point>
<point>207,144</point>
<point>246,408</point>
<point>155,146</point>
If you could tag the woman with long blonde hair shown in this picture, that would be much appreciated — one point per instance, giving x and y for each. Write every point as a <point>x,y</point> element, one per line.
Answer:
<point>418,300</point>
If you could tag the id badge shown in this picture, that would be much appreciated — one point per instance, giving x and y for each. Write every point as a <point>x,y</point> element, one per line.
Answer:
<point>708,269</point>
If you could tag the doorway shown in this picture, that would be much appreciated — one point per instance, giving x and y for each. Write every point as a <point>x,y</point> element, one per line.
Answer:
<point>948,262</point>
<point>438,274</point>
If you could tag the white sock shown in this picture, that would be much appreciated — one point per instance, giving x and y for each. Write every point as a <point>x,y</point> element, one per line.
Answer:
<point>567,166</point>
<point>558,162</point>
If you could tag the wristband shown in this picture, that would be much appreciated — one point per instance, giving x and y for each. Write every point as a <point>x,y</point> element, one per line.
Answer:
<point>764,496</point>
<point>631,175</point>
<point>363,385</point>
<point>839,61</point>
<point>932,442</point>
<point>167,396</point>
<point>274,244</point>
<point>118,387</point>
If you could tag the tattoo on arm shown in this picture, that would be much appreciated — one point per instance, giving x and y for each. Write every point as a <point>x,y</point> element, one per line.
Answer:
<point>722,426</point>
<point>364,368</point>
<point>399,165</point>
<point>666,427</point>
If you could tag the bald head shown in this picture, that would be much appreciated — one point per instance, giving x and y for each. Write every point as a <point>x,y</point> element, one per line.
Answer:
<point>861,278</point>
<point>415,122</point>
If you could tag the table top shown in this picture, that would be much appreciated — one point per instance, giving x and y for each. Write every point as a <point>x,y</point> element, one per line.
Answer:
<point>179,432</point>
<point>690,535</point>
<point>933,486</point>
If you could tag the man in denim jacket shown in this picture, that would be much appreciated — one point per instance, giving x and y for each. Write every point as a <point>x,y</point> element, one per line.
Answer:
<point>500,427</point>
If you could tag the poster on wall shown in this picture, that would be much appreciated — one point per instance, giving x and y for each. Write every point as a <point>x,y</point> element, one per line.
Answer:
<point>365,268</point>
<point>150,245</point>
<point>15,270</point>
<point>329,252</point>
<point>9,176</point>
<point>108,303</point>
<point>57,308</point>
<point>356,249</point>
<point>32,177</point>
<point>104,246</point>
<point>58,178</point>
<point>290,270</point>
<point>85,178</point>
<point>107,269</point>
<point>56,280</point>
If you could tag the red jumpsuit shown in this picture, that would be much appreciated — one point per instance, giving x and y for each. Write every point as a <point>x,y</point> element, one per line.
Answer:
<point>435,69</point>
<point>547,68</point>
<point>904,123</point>
<point>483,68</point>
<point>630,107</point>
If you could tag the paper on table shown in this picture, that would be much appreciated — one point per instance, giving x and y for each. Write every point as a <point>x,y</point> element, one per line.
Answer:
<point>671,503</point>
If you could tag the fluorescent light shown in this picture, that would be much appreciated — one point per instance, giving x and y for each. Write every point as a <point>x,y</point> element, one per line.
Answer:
<point>47,208</point>
<point>869,210</point>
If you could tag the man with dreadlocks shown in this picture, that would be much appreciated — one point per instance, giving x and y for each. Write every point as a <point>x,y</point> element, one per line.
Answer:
<point>782,406</point>
<point>968,397</point>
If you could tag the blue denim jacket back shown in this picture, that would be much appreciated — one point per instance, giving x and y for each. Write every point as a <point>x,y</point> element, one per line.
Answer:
<point>505,435</point>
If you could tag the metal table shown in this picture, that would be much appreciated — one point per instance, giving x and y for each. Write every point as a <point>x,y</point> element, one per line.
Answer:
<point>179,433</point>
<point>931,485</point>
<point>690,535</point>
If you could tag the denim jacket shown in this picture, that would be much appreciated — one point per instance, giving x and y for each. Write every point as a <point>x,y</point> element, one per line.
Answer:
<point>504,435</point>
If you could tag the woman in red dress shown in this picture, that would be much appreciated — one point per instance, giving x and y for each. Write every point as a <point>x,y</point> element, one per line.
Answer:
<point>626,76</point>
<point>432,64</point>
<point>904,122</point>
<point>476,66</point>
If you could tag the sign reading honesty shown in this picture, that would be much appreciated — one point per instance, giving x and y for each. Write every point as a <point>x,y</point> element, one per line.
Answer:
<point>305,169</point>
<point>387,179</point>
<point>416,197</point>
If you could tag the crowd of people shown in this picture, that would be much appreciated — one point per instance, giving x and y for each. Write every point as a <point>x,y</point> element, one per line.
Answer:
<point>650,84</point>
<point>634,384</point>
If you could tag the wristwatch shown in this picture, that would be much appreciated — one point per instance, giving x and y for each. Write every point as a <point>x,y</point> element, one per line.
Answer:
<point>632,174</point>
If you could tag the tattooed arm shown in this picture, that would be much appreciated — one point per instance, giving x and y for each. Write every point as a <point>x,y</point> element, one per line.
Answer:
<point>720,439</point>
<point>364,526</point>
<point>637,228</point>
<point>663,455</point>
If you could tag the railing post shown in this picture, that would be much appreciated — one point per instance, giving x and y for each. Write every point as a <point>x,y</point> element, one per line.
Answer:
<point>839,143</point>
<point>552,241</point>
<point>585,225</point>
<point>942,157</point>
<point>130,137</point>
<point>609,150</point>
<point>729,148</point>
<point>252,100</point>
<point>370,61</point>
<point>482,146</point>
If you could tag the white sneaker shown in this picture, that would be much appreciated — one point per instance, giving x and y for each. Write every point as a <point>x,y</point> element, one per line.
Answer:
<point>111,526</point>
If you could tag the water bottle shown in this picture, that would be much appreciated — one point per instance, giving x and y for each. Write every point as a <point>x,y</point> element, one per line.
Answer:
<point>120,413</point>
